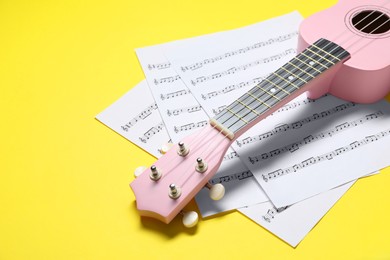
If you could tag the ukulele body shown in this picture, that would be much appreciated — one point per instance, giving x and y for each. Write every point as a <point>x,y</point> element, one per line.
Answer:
<point>365,77</point>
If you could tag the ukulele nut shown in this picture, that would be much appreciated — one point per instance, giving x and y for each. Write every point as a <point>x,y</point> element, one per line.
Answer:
<point>174,191</point>
<point>182,150</point>
<point>155,173</point>
<point>201,166</point>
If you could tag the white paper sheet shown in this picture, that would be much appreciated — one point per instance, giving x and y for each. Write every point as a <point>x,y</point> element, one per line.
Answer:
<point>135,117</point>
<point>316,147</point>
<point>293,223</point>
<point>220,67</point>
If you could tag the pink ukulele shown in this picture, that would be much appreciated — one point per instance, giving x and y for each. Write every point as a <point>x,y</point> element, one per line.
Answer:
<point>345,51</point>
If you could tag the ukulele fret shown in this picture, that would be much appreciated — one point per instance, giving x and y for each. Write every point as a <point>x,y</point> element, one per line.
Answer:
<point>289,78</point>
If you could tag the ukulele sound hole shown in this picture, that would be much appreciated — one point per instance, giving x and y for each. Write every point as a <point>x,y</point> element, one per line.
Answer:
<point>371,22</point>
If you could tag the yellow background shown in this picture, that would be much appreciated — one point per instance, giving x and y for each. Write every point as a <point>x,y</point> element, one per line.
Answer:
<point>64,176</point>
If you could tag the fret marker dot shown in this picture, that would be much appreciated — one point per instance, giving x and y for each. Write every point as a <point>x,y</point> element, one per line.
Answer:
<point>273,90</point>
<point>311,63</point>
<point>290,77</point>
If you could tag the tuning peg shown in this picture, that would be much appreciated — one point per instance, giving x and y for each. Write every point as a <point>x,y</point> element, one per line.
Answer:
<point>165,148</point>
<point>201,166</point>
<point>174,191</point>
<point>217,191</point>
<point>190,219</point>
<point>155,174</point>
<point>139,170</point>
<point>182,150</point>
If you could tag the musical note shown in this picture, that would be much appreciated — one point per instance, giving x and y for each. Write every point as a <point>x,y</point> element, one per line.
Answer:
<point>312,138</point>
<point>233,87</point>
<point>296,125</point>
<point>230,156</point>
<point>218,109</point>
<point>272,212</point>
<point>151,132</point>
<point>166,80</point>
<point>244,67</point>
<point>159,66</point>
<point>200,64</point>
<point>326,157</point>
<point>175,94</point>
<point>232,177</point>
<point>176,112</point>
<point>141,116</point>
<point>190,126</point>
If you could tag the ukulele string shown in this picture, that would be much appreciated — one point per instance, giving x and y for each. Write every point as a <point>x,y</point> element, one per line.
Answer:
<point>301,73</point>
<point>368,43</point>
<point>342,33</point>
<point>370,22</point>
<point>370,33</point>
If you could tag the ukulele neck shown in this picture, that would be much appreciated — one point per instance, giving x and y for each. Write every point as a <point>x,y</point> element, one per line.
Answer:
<point>279,87</point>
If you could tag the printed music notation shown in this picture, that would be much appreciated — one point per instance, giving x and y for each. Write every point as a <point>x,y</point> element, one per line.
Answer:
<point>311,139</point>
<point>190,126</point>
<point>326,157</point>
<point>218,109</point>
<point>230,156</point>
<point>159,66</point>
<point>272,212</point>
<point>175,94</point>
<point>151,132</point>
<point>166,80</point>
<point>297,124</point>
<point>141,116</point>
<point>232,177</point>
<point>243,50</point>
<point>134,116</point>
<point>233,87</point>
<point>176,112</point>
<point>234,70</point>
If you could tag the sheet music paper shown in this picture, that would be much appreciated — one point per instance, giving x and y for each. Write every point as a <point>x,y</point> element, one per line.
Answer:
<point>219,68</point>
<point>180,111</point>
<point>293,223</point>
<point>316,147</point>
<point>135,117</point>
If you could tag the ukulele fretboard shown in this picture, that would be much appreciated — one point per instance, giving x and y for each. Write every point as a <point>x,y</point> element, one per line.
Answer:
<point>289,78</point>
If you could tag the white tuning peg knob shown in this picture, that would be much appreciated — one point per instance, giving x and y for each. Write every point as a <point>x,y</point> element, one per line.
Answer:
<point>190,219</point>
<point>217,191</point>
<point>139,170</point>
<point>166,147</point>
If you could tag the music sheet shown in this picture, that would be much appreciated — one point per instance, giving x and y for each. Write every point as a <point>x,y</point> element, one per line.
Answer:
<point>135,117</point>
<point>315,147</point>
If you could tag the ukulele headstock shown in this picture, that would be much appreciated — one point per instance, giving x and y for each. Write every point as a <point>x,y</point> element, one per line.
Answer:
<point>164,189</point>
